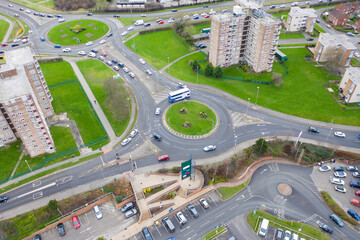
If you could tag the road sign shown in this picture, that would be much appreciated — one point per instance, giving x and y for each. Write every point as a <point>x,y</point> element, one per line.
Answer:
<point>186,169</point>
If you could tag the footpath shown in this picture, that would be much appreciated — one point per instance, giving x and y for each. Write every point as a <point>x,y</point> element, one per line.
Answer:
<point>8,33</point>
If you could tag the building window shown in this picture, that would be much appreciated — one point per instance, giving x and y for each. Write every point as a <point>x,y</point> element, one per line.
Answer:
<point>19,113</point>
<point>5,128</point>
<point>34,77</point>
<point>16,107</point>
<point>37,83</point>
<point>19,127</point>
<point>10,109</point>
<point>25,125</point>
<point>39,88</point>
<point>2,123</point>
<point>30,136</point>
<point>16,121</point>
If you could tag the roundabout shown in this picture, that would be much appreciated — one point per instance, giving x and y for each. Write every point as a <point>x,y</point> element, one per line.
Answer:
<point>190,119</point>
<point>77,32</point>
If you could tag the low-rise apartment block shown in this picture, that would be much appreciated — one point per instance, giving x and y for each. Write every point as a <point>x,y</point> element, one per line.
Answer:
<point>331,47</point>
<point>25,103</point>
<point>248,34</point>
<point>300,19</point>
<point>350,85</point>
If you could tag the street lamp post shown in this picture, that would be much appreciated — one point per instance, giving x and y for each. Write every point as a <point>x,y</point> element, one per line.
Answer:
<point>257,94</point>
<point>168,64</point>
<point>157,78</point>
<point>197,75</point>
<point>328,134</point>
<point>247,110</point>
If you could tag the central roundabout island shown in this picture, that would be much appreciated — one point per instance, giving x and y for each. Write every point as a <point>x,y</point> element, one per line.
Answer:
<point>77,32</point>
<point>190,119</point>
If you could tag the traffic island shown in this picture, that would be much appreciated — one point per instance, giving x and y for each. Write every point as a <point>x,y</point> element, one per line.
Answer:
<point>190,120</point>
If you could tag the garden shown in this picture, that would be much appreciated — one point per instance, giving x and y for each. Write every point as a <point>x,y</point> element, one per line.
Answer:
<point>77,32</point>
<point>190,118</point>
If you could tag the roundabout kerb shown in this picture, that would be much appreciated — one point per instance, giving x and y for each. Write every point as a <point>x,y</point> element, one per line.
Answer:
<point>185,136</point>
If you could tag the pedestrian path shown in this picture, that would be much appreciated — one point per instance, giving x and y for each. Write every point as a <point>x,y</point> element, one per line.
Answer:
<point>11,26</point>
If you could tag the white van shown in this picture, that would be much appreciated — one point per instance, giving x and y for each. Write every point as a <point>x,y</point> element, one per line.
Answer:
<point>295,4</point>
<point>264,227</point>
<point>139,22</point>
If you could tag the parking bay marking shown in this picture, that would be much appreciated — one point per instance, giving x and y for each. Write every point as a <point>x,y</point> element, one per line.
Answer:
<point>37,195</point>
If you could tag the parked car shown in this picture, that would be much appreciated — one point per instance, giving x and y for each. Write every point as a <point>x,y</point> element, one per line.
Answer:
<point>313,130</point>
<point>130,213</point>
<point>326,228</point>
<point>192,211</point>
<point>340,174</point>
<point>341,169</point>
<point>337,181</point>
<point>340,189</point>
<point>127,207</point>
<point>94,50</point>
<point>61,229</point>
<point>97,212</point>
<point>356,174</point>
<point>337,220</point>
<point>76,222</point>
<point>163,158</point>
<point>116,68</point>
<point>3,44</point>
<point>101,58</point>
<point>295,236</point>
<point>357,193</point>
<point>287,235</point>
<point>146,233</point>
<point>279,234</point>
<point>204,203</point>
<point>133,133</point>
<point>120,64</point>
<point>126,69</point>
<point>354,184</point>
<point>353,214</point>
<point>209,148</point>
<point>114,61</point>
<point>103,54</point>
<point>181,218</point>
<point>14,45</point>
<point>125,141</point>
<point>352,169</point>
<point>131,74</point>
<point>83,53</point>
<point>324,168</point>
<point>339,134</point>
<point>355,202</point>
<point>109,63</point>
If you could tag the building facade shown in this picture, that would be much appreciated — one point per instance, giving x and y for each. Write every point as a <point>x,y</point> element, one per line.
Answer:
<point>25,103</point>
<point>350,85</point>
<point>301,20</point>
<point>338,18</point>
<point>330,46</point>
<point>248,34</point>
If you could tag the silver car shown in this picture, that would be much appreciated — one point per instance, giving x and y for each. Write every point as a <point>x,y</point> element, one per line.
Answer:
<point>133,133</point>
<point>157,111</point>
<point>125,141</point>
<point>209,148</point>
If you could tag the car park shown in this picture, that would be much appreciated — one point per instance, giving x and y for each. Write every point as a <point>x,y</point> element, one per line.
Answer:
<point>168,224</point>
<point>97,212</point>
<point>83,53</point>
<point>287,235</point>
<point>142,61</point>
<point>145,231</point>
<point>157,137</point>
<point>352,169</point>
<point>130,213</point>
<point>125,141</point>
<point>340,189</point>
<point>313,130</point>
<point>61,229</point>
<point>279,234</point>
<point>192,211</point>
<point>339,169</point>
<point>353,214</point>
<point>324,168</point>
<point>355,202</point>
<point>326,228</point>
<point>148,72</point>
<point>181,218</point>
<point>157,111</point>
<point>4,198</point>
<point>133,133</point>
<point>339,134</point>
<point>209,148</point>
<point>76,222</point>
<point>126,69</point>
<point>337,220</point>
<point>356,174</point>
<point>163,158</point>
<point>337,181</point>
<point>340,174</point>
<point>67,50</point>
<point>204,203</point>
<point>131,74</point>
<point>127,207</point>
<point>354,184</point>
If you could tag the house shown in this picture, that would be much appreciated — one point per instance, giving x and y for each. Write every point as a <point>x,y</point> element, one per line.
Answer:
<point>357,26</point>
<point>350,85</point>
<point>345,8</point>
<point>356,6</point>
<point>337,18</point>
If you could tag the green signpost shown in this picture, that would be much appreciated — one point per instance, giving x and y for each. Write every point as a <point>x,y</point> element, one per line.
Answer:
<point>186,169</point>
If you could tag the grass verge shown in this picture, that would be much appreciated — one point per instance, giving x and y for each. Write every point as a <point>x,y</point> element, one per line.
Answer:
<point>4,26</point>
<point>330,202</point>
<point>9,155</point>
<point>228,192</point>
<point>307,231</point>
<point>290,35</point>
<point>215,233</point>
<point>17,26</point>
<point>96,74</point>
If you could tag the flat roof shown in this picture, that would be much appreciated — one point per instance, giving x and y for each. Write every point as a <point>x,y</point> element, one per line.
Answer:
<point>336,39</point>
<point>297,12</point>
<point>354,73</point>
<point>18,85</point>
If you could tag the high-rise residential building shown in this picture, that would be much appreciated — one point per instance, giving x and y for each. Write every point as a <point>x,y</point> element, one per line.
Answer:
<point>25,103</point>
<point>301,19</point>
<point>350,85</point>
<point>247,34</point>
<point>330,46</point>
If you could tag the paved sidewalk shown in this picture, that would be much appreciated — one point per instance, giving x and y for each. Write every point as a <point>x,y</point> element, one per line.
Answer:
<point>11,26</point>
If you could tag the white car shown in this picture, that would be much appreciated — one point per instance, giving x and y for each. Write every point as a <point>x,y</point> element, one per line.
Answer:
<point>125,141</point>
<point>357,55</point>
<point>24,40</point>
<point>340,189</point>
<point>282,6</point>
<point>89,43</point>
<point>130,28</point>
<point>340,174</point>
<point>157,111</point>
<point>126,69</point>
<point>148,72</point>
<point>103,41</point>
<point>339,134</point>
<point>67,50</point>
<point>209,148</point>
<point>328,25</point>
<point>141,61</point>
<point>28,11</point>
<point>83,53</point>
<point>16,40</point>
<point>131,74</point>
<point>204,203</point>
<point>143,15</point>
<point>61,20</point>
<point>170,21</point>
<point>133,133</point>
<point>181,218</point>
<point>116,68</point>
<point>337,181</point>
<point>92,55</point>
<point>124,34</point>
<point>324,168</point>
<point>101,58</point>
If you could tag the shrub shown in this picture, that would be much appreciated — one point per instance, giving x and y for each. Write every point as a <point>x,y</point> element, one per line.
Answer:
<point>119,199</point>
<point>67,5</point>
<point>261,146</point>
<point>195,66</point>
<point>77,29</point>
<point>209,69</point>
<point>218,72</point>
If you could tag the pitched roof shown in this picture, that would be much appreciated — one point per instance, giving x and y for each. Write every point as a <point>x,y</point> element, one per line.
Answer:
<point>343,7</point>
<point>335,13</point>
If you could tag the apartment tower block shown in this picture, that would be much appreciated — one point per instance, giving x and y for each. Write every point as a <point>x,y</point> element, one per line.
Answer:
<point>248,34</point>
<point>25,103</point>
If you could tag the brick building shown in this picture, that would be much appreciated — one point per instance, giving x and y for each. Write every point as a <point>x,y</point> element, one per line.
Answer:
<point>301,19</point>
<point>350,85</point>
<point>337,18</point>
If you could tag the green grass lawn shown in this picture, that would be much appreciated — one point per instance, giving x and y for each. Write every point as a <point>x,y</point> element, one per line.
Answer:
<point>278,15</point>
<point>64,141</point>
<point>214,233</point>
<point>96,73</point>
<point>199,126</point>
<point>4,26</point>
<point>307,231</point>
<point>156,47</point>
<point>227,192</point>
<point>62,34</point>
<point>320,29</point>
<point>17,26</point>
<point>290,35</point>
<point>9,155</point>
<point>301,93</point>
<point>195,29</point>
<point>71,99</point>
<point>293,45</point>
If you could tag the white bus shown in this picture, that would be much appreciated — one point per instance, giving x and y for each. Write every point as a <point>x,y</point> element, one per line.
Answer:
<point>179,95</point>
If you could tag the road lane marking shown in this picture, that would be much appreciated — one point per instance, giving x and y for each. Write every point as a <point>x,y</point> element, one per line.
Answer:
<point>204,224</point>
<point>37,183</point>
<point>36,190</point>
<point>220,215</point>
<point>234,207</point>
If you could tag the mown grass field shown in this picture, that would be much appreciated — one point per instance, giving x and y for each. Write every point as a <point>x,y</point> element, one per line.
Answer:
<point>9,155</point>
<point>4,26</point>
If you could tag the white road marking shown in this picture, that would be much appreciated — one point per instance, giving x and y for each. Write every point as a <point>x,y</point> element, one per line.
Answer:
<point>204,224</point>
<point>234,207</point>
<point>36,190</point>
<point>37,183</point>
<point>37,195</point>
<point>220,215</point>
<point>192,236</point>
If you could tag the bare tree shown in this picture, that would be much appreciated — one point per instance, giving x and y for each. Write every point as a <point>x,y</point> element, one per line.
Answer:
<point>277,79</point>
<point>332,65</point>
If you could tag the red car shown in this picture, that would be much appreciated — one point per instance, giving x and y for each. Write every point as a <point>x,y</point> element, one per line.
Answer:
<point>161,22</point>
<point>25,37</point>
<point>355,202</point>
<point>76,222</point>
<point>104,54</point>
<point>207,16</point>
<point>357,192</point>
<point>163,158</point>
<point>4,44</point>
